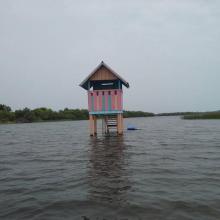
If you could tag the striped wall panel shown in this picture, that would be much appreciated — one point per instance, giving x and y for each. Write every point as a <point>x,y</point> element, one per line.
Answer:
<point>105,100</point>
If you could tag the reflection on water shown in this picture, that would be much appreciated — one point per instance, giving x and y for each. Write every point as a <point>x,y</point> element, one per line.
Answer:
<point>108,177</point>
<point>167,170</point>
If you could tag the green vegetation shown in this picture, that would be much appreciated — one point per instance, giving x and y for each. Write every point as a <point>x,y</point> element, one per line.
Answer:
<point>27,115</point>
<point>174,113</point>
<point>134,114</point>
<point>193,115</point>
<point>205,115</point>
<point>6,115</point>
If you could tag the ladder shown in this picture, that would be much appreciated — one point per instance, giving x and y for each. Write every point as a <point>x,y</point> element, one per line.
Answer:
<point>111,123</point>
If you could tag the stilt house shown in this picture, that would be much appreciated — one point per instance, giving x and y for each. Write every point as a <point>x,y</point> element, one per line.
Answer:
<point>105,98</point>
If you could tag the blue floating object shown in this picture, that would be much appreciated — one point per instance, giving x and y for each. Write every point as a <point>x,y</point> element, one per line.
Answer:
<point>131,128</point>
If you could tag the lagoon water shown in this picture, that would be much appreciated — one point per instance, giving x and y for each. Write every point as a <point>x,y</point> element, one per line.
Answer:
<point>170,169</point>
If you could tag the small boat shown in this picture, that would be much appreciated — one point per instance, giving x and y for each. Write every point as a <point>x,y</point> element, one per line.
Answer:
<point>132,128</point>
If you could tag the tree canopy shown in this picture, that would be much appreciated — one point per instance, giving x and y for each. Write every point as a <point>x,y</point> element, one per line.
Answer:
<point>46,114</point>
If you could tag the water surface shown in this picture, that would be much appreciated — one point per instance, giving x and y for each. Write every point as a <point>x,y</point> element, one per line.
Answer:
<point>170,169</point>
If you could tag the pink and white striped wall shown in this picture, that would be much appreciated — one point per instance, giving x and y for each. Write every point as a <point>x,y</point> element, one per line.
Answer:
<point>105,101</point>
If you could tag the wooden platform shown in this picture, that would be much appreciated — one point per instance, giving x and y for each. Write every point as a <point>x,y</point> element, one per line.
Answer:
<point>110,124</point>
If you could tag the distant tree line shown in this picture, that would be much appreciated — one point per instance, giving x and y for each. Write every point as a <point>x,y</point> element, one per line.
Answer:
<point>174,113</point>
<point>193,115</point>
<point>27,115</point>
<point>6,115</point>
<point>40,114</point>
<point>205,115</point>
<point>134,114</point>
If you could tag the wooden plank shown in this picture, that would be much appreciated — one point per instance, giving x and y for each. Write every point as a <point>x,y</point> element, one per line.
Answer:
<point>105,102</point>
<point>103,74</point>
<point>120,124</point>
<point>91,125</point>
<point>89,102</point>
<point>109,102</point>
<point>95,125</point>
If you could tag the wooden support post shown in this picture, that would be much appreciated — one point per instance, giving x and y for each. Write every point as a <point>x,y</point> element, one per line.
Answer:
<point>106,125</point>
<point>93,125</point>
<point>103,126</point>
<point>120,124</point>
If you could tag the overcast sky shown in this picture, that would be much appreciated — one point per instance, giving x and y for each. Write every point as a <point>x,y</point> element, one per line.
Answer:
<point>168,50</point>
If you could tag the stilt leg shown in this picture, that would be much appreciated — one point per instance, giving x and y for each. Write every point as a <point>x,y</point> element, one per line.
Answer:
<point>103,124</point>
<point>95,125</point>
<point>106,126</point>
<point>92,125</point>
<point>120,124</point>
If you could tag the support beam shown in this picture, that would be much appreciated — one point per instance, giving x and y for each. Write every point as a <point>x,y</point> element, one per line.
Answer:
<point>93,125</point>
<point>107,124</point>
<point>120,124</point>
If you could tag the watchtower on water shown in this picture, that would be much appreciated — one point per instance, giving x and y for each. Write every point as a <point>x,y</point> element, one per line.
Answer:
<point>105,99</point>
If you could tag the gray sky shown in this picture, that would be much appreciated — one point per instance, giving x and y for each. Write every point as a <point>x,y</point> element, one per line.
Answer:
<point>168,50</point>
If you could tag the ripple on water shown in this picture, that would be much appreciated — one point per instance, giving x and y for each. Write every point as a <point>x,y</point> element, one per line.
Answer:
<point>167,170</point>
